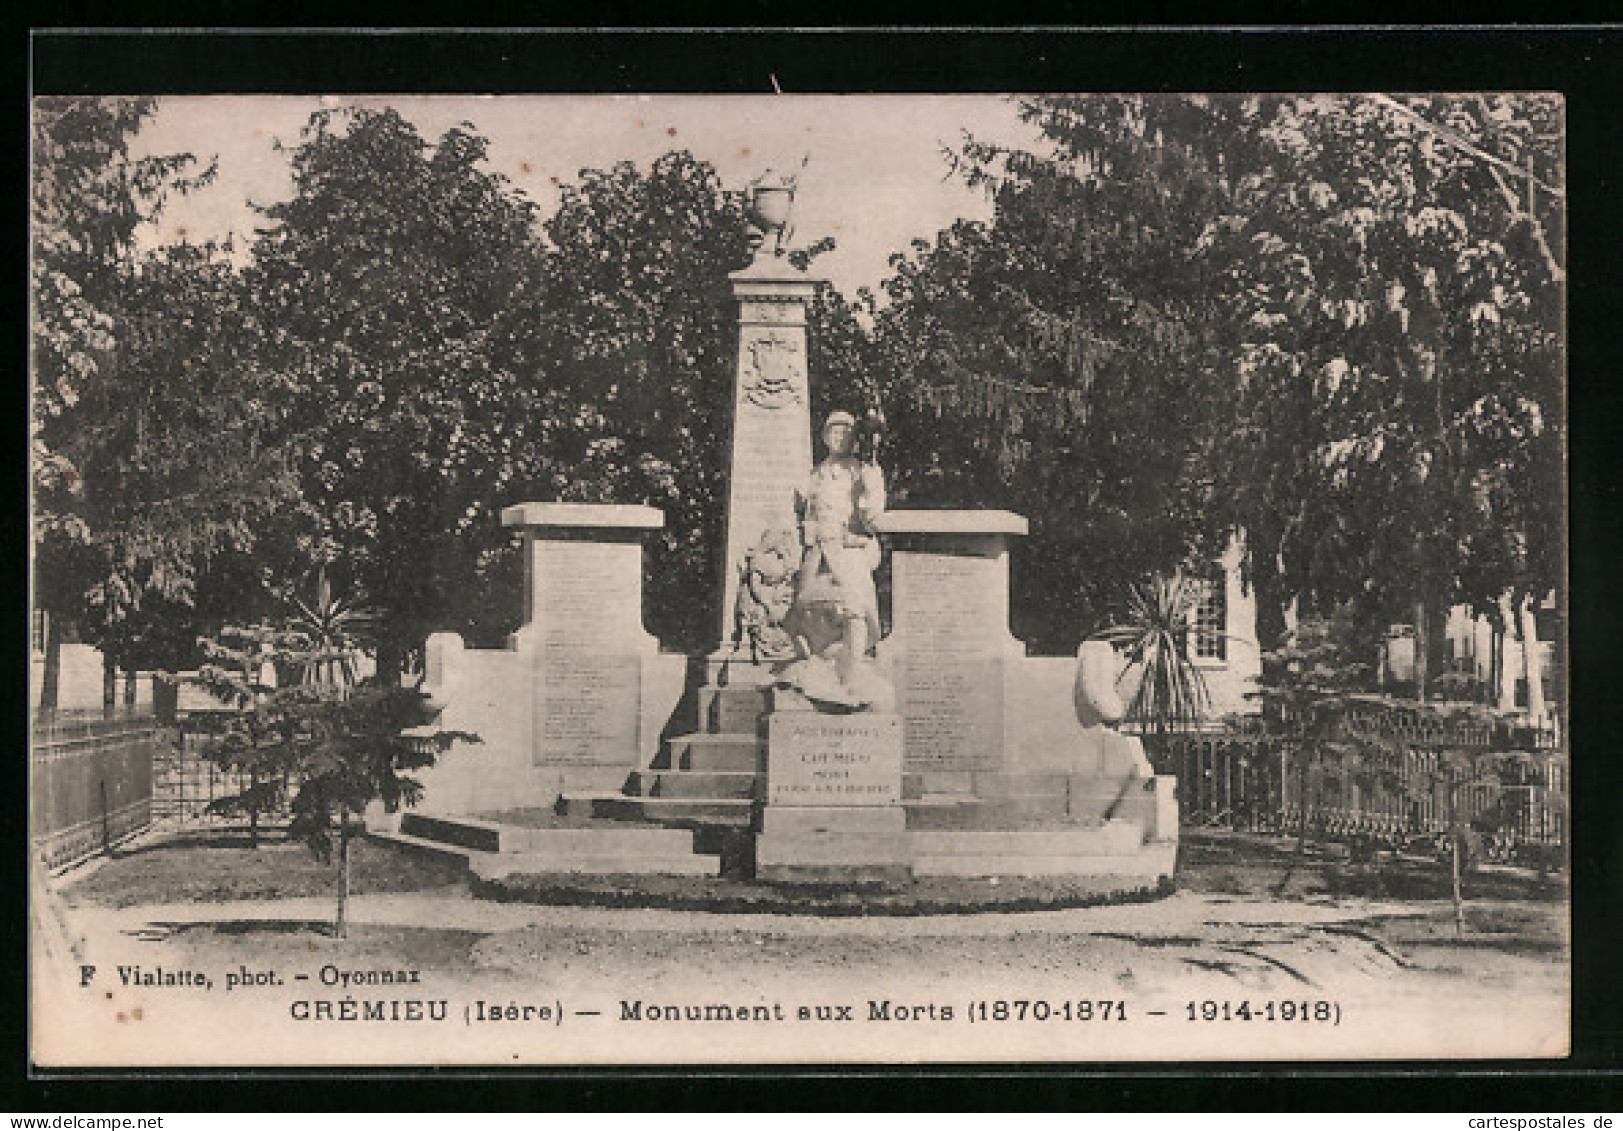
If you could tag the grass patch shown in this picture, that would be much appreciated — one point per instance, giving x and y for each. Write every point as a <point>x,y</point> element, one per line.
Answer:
<point>215,869</point>
<point>1530,930</point>
<point>1214,862</point>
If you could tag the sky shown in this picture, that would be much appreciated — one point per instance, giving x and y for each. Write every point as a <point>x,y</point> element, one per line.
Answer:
<point>875,179</point>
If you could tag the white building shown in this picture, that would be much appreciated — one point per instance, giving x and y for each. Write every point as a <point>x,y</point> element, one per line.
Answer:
<point>1517,669</point>
<point>1223,642</point>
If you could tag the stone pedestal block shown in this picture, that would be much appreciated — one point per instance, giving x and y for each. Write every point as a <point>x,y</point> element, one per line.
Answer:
<point>578,698</point>
<point>833,811</point>
<point>951,656</point>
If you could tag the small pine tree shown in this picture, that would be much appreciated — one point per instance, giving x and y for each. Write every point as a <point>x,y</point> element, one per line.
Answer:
<point>256,737</point>
<point>313,738</point>
<point>355,749</point>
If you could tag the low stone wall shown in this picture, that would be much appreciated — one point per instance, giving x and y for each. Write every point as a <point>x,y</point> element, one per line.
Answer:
<point>90,785</point>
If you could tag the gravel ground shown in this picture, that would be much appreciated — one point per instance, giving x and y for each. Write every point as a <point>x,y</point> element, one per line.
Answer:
<point>1400,979</point>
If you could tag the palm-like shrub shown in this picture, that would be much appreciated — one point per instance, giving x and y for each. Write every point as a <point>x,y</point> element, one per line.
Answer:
<point>324,632</point>
<point>1171,694</point>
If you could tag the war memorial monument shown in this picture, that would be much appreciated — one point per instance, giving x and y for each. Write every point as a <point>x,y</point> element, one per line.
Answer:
<point>807,747</point>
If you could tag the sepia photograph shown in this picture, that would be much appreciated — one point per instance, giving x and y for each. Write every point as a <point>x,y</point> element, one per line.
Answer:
<point>798,579</point>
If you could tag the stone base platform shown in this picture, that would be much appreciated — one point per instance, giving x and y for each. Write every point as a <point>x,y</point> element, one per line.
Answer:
<point>495,849</point>
<point>1028,825</point>
<point>817,844</point>
<point>1115,848</point>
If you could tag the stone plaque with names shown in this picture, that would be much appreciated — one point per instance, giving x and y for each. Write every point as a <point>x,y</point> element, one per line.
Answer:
<point>949,659</point>
<point>953,704</point>
<point>834,760</point>
<point>586,707</point>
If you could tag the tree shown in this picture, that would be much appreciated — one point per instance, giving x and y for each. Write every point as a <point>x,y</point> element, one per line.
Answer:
<point>146,461</point>
<point>640,331</point>
<point>1400,368</point>
<point>847,363</point>
<point>177,467</point>
<point>317,741</point>
<point>396,291</point>
<point>442,358</point>
<point>1370,288</point>
<point>1060,361</point>
<point>259,739</point>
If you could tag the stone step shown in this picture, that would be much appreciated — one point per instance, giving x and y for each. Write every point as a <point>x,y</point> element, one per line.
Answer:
<point>697,783</point>
<point>510,864</point>
<point>736,670</point>
<point>999,784</point>
<point>833,848</point>
<point>425,846</point>
<point>597,841</point>
<point>941,812</point>
<point>794,820</point>
<point>1113,838</point>
<point>462,832</point>
<point>602,805</point>
<point>694,810</point>
<point>465,835</point>
<point>1002,813</point>
<point>732,709</point>
<point>728,753</point>
<point>604,848</point>
<point>681,811</point>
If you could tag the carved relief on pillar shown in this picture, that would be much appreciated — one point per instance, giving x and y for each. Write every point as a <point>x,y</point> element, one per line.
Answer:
<point>774,370</point>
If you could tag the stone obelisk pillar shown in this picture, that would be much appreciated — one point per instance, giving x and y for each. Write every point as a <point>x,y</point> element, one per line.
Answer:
<point>771,454</point>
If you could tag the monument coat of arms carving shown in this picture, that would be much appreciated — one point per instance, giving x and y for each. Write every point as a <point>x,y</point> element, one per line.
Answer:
<point>771,376</point>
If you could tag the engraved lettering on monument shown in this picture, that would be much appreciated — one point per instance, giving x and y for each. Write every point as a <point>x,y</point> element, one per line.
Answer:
<point>768,470</point>
<point>586,708</point>
<point>949,665</point>
<point>832,760</point>
<point>583,590</point>
<point>587,697</point>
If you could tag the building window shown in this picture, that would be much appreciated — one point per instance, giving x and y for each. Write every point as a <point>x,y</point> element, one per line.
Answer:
<point>1210,619</point>
<point>37,635</point>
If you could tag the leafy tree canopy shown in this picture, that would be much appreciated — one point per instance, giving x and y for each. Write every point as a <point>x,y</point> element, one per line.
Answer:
<point>393,291</point>
<point>1331,324</point>
<point>146,456</point>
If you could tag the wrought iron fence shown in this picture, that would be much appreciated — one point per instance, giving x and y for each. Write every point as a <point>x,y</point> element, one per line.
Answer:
<point>1417,787</point>
<point>188,785</point>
